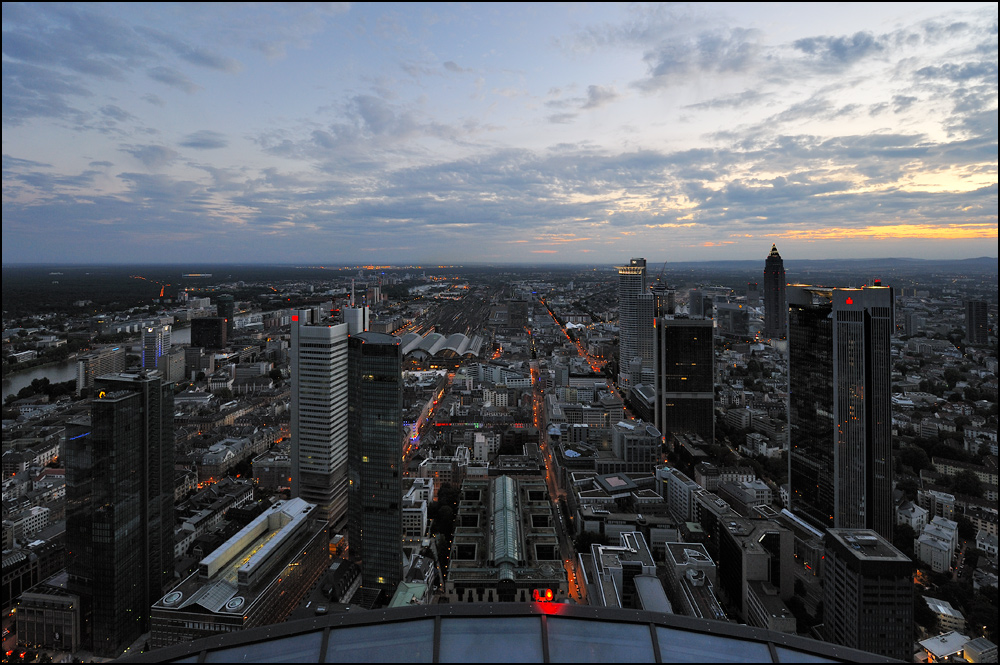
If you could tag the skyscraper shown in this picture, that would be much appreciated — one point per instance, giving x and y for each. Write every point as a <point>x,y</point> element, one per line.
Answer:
<point>685,377</point>
<point>839,406</point>
<point>631,283</point>
<point>120,508</point>
<point>319,414</point>
<point>210,332</point>
<point>225,307</point>
<point>375,452</point>
<point>868,593</point>
<point>774,295</point>
<point>155,344</point>
<point>976,324</point>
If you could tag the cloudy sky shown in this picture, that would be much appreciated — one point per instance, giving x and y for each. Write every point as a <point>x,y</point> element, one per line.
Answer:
<point>494,133</point>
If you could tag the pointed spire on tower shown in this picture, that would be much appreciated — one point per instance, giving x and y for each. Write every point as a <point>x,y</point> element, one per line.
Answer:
<point>774,251</point>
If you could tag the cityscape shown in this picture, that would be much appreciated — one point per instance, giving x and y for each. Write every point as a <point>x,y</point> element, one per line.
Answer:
<point>500,333</point>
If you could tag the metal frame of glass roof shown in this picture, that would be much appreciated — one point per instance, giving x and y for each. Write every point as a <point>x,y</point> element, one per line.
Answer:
<point>505,632</point>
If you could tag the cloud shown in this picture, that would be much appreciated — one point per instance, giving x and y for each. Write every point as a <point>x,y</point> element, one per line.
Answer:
<point>193,54</point>
<point>153,157</point>
<point>960,73</point>
<point>745,98</point>
<point>841,50</point>
<point>562,118</point>
<point>116,113</point>
<point>205,140</point>
<point>710,52</point>
<point>173,78</point>
<point>598,96</point>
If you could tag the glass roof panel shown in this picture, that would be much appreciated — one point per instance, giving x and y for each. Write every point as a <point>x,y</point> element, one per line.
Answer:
<point>795,656</point>
<point>294,649</point>
<point>497,640</point>
<point>681,646</point>
<point>397,642</point>
<point>582,641</point>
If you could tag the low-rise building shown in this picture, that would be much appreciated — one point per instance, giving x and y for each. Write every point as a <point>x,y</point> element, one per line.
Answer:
<point>257,577</point>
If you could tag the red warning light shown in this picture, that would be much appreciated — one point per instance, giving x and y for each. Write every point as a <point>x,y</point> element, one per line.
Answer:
<point>850,301</point>
<point>295,317</point>
<point>542,595</point>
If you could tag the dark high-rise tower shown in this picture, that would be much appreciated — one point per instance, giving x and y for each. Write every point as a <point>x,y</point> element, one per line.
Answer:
<point>120,508</point>
<point>774,295</point>
<point>211,332</point>
<point>631,283</point>
<point>976,324</point>
<point>839,407</point>
<point>685,376</point>
<point>225,306</point>
<point>375,451</point>
<point>868,593</point>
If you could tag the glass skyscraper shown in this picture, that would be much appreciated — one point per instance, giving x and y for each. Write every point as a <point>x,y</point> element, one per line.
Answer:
<point>120,508</point>
<point>375,451</point>
<point>839,394</point>
<point>631,283</point>
<point>685,376</point>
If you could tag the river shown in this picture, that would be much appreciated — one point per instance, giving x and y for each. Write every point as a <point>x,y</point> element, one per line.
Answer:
<point>66,371</point>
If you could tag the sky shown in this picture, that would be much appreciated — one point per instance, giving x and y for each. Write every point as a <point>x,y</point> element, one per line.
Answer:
<point>420,134</point>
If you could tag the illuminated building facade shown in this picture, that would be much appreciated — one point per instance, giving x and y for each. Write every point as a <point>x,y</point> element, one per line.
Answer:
<point>120,508</point>
<point>774,295</point>
<point>155,344</point>
<point>255,578</point>
<point>319,415</point>
<point>375,452</point>
<point>840,420</point>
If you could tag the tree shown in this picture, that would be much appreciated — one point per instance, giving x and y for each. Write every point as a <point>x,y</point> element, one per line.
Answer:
<point>902,538</point>
<point>914,457</point>
<point>968,483</point>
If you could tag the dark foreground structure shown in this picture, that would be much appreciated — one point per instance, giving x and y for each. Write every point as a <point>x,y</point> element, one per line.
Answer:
<point>506,632</point>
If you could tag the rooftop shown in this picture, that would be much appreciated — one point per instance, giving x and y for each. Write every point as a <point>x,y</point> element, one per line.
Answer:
<point>511,632</point>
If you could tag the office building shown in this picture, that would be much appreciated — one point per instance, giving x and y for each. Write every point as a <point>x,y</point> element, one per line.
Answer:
<point>319,414</point>
<point>120,508</point>
<point>840,436</point>
<point>665,299</point>
<point>211,332</point>
<point>255,578</point>
<point>225,307</point>
<point>753,294</point>
<point>506,543</point>
<point>155,344</point>
<point>774,295</point>
<point>631,283</point>
<point>868,593</point>
<point>734,319</point>
<point>375,452</point>
<point>685,376</point>
<point>358,319</point>
<point>645,308</point>
<point>89,366</point>
<point>976,323</point>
